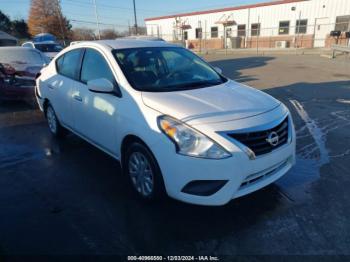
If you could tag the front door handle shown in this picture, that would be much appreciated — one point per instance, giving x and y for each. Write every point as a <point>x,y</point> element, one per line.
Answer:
<point>78,98</point>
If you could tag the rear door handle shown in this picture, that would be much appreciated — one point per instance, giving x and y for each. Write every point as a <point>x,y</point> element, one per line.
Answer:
<point>78,98</point>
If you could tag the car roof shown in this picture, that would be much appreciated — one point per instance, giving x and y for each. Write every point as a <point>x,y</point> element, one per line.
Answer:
<point>42,42</point>
<point>125,43</point>
<point>45,42</point>
<point>18,48</point>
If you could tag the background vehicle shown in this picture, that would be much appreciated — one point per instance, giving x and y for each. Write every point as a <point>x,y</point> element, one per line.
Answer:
<point>44,37</point>
<point>49,48</point>
<point>173,121</point>
<point>18,68</point>
<point>75,42</point>
<point>7,40</point>
<point>144,37</point>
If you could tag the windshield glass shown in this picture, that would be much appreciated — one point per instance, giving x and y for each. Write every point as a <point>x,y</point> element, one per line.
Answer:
<point>46,48</point>
<point>21,56</point>
<point>162,69</point>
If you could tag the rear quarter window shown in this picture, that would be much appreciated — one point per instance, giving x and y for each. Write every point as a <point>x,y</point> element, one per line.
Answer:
<point>68,64</point>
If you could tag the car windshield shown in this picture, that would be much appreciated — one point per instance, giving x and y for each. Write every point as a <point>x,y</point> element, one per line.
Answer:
<point>163,69</point>
<point>46,48</point>
<point>21,56</point>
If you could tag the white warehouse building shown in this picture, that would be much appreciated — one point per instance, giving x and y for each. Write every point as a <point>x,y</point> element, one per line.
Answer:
<point>281,24</point>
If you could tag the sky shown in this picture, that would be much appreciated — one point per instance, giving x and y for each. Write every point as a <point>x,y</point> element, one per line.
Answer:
<point>118,14</point>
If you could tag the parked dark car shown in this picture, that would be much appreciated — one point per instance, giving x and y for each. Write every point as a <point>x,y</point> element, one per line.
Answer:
<point>18,68</point>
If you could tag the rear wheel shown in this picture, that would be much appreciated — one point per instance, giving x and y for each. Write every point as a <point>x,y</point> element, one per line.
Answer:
<point>143,171</point>
<point>54,126</point>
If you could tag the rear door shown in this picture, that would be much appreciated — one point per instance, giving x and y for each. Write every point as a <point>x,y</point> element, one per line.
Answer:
<point>61,85</point>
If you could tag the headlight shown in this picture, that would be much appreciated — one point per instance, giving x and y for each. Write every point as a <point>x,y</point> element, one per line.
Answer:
<point>189,141</point>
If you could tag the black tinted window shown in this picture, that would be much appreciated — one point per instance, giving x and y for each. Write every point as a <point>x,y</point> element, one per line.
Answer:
<point>95,67</point>
<point>67,64</point>
<point>48,47</point>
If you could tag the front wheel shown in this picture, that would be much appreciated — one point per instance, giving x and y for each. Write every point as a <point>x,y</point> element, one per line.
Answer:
<point>54,126</point>
<point>144,172</point>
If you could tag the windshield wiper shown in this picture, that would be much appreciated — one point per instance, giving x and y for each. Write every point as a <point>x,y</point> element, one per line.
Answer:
<point>198,84</point>
<point>185,86</point>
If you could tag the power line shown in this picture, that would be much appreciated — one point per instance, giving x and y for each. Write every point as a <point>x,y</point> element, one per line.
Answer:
<point>104,6</point>
<point>92,22</point>
<point>89,16</point>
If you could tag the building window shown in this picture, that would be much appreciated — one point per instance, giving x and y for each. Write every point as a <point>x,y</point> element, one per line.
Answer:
<point>284,28</point>
<point>342,23</point>
<point>241,30</point>
<point>185,35</point>
<point>198,33</point>
<point>255,29</point>
<point>214,32</point>
<point>301,27</point>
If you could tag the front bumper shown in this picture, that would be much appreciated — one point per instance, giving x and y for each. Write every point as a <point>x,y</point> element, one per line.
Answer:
<point>239,174</point>
<point>39,99</point>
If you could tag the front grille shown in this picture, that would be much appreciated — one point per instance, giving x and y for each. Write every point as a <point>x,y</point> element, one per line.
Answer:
<point>258,141</point>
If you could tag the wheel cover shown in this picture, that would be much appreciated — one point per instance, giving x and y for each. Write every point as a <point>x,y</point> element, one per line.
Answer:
<point>141,173</point>
<point>51,120</point>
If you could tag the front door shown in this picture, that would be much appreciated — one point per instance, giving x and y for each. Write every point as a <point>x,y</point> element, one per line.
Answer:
<point>96,114</point>
<point>322,29</point>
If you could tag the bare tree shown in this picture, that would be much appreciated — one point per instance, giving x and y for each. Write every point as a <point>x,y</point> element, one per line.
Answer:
<point>112,34</point>
<point>83,33</point>
<point>46,16</point>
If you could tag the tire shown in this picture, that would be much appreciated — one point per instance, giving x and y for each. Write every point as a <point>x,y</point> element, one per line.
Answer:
<point>150,186</point>
<point>54,125</point>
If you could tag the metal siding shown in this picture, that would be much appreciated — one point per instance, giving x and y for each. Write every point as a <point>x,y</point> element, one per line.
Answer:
<point>270,16</point>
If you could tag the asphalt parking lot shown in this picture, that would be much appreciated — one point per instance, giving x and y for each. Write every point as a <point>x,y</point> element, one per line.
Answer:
<point>66,197</point>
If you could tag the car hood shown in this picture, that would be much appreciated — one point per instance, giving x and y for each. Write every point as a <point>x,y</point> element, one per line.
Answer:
<point>225,102</point>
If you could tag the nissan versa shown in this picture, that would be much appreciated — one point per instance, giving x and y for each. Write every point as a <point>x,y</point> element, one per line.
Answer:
<point>177,125</point>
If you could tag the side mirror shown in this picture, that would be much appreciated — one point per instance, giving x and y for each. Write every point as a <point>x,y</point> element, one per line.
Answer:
<point>218,70</point>
<point>101,85</point>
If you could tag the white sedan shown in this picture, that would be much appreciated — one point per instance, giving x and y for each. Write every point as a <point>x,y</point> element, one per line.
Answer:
<point>176,124</point>
<point>49,48</point>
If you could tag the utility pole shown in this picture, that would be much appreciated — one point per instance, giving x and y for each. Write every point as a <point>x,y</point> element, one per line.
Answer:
<point>298,30</point>
<point>135,18</point>
<point>97,20</point>
<point>257,36</point>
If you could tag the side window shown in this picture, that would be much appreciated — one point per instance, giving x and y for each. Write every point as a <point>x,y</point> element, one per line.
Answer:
<point>68,64</point>
<point>95,67</point>
<point>59,63</point>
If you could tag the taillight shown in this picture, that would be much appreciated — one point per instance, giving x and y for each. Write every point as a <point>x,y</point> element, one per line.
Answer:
<point>9,70</point>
